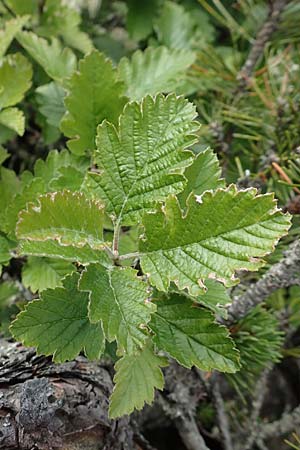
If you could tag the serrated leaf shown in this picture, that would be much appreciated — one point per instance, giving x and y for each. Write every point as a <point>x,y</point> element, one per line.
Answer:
<point>28,193</point>
<point>229,230</point>
<point>181,29</point>
<point>203,175</point>
<point>94,95</point>
<point>136,378</point>
<point>154,70</point>
<point>53,168</point>
<point>215,298</point>
<point>59,63</point>
<point>14,119</point>
<point>15,79</point>
<point>11,28</point>
<point>141,162</point>
<point>50,99</point>
<point>58,324</point>
<point>68,218</point>
<point>53,249</point>
<point>58,19</point>
<point>190,335</point>
<point>39,274</point>
<point>119,299</point>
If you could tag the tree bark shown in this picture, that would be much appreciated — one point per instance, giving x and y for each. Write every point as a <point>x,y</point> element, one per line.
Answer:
<point>45,406</point>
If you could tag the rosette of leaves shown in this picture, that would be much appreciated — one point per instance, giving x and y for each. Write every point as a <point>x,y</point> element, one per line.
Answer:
<point>160,299</point>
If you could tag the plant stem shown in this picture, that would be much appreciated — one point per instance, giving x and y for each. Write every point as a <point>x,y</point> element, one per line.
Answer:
<point>129,255</point>
<point>116,240</point>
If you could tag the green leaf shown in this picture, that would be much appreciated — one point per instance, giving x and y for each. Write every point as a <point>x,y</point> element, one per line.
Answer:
<point>39,274</point>
<point>140,18</point>
<point>57,165</point>
<point>120,300</point>
<point>181,29</point>
<point>15,79</point>
<point>20,7</point>
<point>4,155</point>
<point>224,231</point>
<point>95,95</point>
<point>136,378</point>
<point>14,119</point>
<point>57,62</point>
<point>190,335</point>
<point>215,298</point>
<point>142,162</point>
<point>8,292</point>
<point>6,247</point>
<point>9,187</point>
<point>28,193</point>
<point>154,70</point>
<point>52,248</point>
<point>11,28</point>
<point>58,19</point>
<point>50,99</point>
<point>69,219</point>
<point>58,324</point>
<point>203,175</point>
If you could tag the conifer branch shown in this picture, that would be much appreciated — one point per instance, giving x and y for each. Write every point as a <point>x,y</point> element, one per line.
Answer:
<point>283,274</point>
<point>289,421</point>
<point>263,36</point>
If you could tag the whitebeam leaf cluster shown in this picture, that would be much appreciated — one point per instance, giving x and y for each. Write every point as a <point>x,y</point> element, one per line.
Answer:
<point>132,168</point>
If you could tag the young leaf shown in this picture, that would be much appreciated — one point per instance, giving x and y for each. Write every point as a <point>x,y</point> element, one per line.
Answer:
<point>20,7</point>
<point>66,217</point>
<point>12,27</point>
<point>14,119</point>
<point>15,79</point>
<point>9,187</point>
<point>191,336</point>
<point>154,70</point>
<point>6,246</point>
<point>52,169</point>
<point>203,175</point>
<point>59,19</point>
<point>28,193</point>
<point>50,99</point>
<point>178,28</point>
<point>39,274</point>
<point>142,162</point>
<point>140,18</point>
<point>120,300</point>
<point>57,62</point>
<point>226,231</point>
<point>95,95</point>
<point>136,378</point>
<point>58,324</point>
